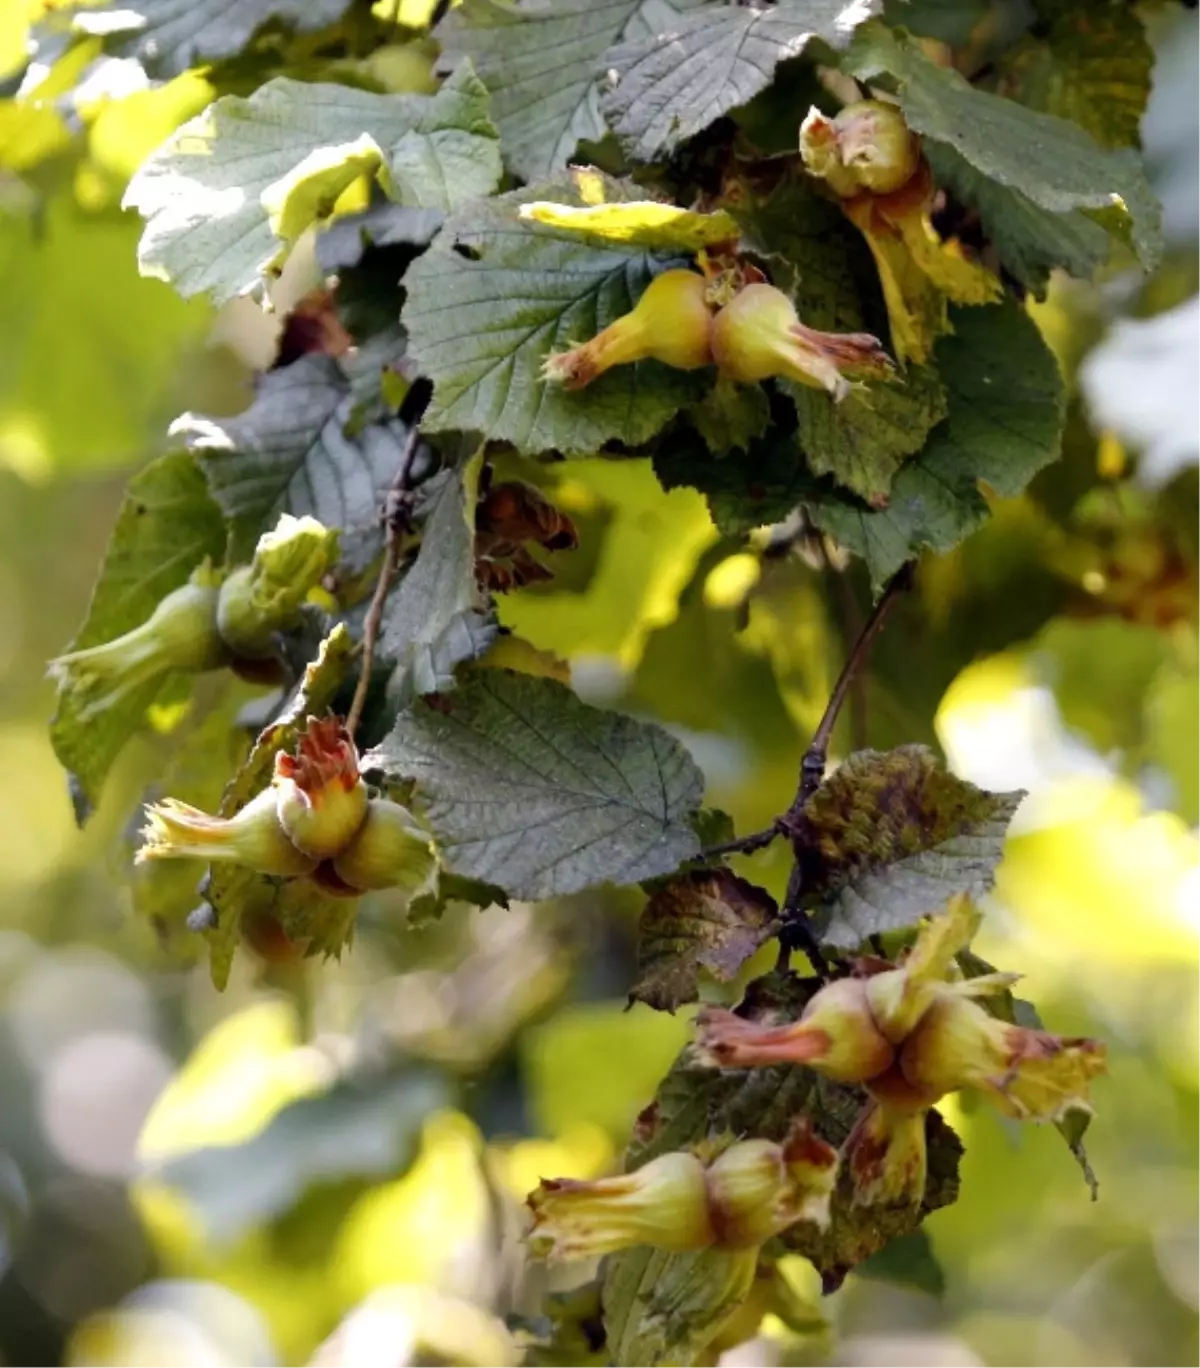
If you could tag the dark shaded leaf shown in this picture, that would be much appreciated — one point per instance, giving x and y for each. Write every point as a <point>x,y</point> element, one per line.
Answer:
<point>526,787</point>
<point>821,259</point>
<point>662,1308</point>
<point>299,448</point>
<point>907,1261</point>
<point>730,417</point>
<point>949,21</point>
<point>437,617</point>
<point>167,526</point>
<point>664,89</point>
<point>344,241</point>
<point>1039,167</point>
<point>863,441</point>
<point>707,920</point>
<point>1004,424</point>
<point>889,837</point>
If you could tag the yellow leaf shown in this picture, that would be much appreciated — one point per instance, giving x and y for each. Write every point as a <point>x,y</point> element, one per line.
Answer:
<point>645,222</point>
<point>916,307</point>
<point>964,281</point>
<point>310,191</point>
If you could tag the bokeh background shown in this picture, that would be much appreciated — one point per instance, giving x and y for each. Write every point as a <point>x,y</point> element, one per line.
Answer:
<point>325,1163</point>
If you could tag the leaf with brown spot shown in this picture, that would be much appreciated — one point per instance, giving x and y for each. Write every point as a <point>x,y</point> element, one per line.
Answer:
<point>707,920</point>
<point>892,835</point>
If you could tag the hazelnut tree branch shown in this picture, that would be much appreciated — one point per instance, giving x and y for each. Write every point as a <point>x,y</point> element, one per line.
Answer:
<point>396,518</point>
<point>797,933</point>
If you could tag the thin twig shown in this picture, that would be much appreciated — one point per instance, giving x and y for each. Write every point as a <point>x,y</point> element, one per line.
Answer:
<point>396,521</point>
<point>797,933</point>
<point>743,845</point>
<point>812,766</point>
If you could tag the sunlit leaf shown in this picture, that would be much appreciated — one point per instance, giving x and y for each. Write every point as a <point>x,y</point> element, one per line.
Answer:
<point>168,36</point>
<point>890,837</point>
<point>664,89</point>
<point>641,223</point>
<point>541,62</point>
<point>526,787</point>
<point>231,189</point>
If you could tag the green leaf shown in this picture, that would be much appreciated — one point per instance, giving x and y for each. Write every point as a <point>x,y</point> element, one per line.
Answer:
<point>707,920</point>
<point>1003,425</point>
<point>299,448</point>
<point>730,416</point>
<point>541,61</point>
<point>1092,66</point>
<point>169,36</point>
<point>908,1261</point>
<point>526,787</point>
<point>863,441</point>
<point>694,1103</point>
<point>230,191</point>
<point>437,617</point>
<point>662,1308</point>
<point>166,527</point>
<point>949,21</point>
<point>751,489</point>
<point>889,837</point>
<point>233,892</point>
<point>364,1127</point>
<point>1031,242</point>
<point>665,89</point>
<point>1008,161</point>
<point>495,294</point>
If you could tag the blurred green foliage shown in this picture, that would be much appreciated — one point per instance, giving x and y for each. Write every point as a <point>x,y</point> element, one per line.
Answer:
<point>1056,649</point>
